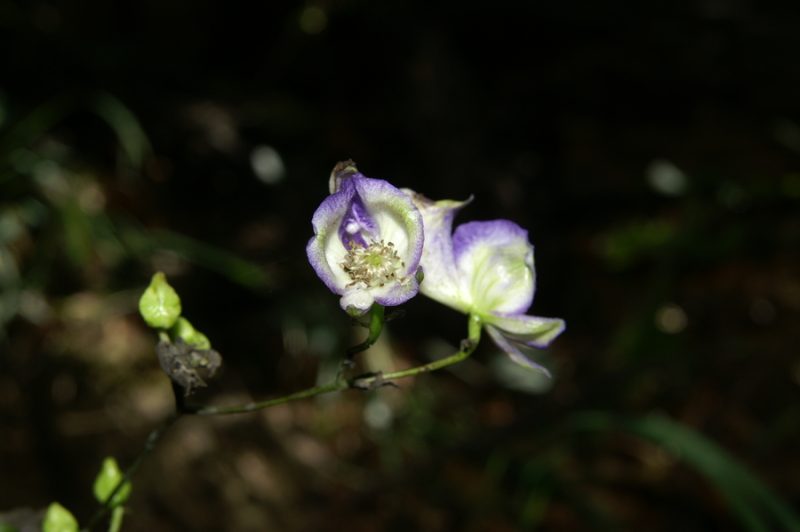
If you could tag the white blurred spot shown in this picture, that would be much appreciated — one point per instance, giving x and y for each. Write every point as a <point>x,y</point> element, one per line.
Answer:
<point>313,20</point>
<point>267,165</point>
<point>762,311</point>
<point>671,319</point>
<point>666,178</point>
<point>34,307</point>
<point>378,414</point>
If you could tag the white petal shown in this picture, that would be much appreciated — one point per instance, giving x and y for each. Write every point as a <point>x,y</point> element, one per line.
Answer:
<point>356,301</point>
<point>534,331</point>
<point>442,280</point>
<point>513,351</point>
<point>496,260</point>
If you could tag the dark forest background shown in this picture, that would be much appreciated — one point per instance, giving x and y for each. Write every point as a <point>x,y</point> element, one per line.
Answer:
<point>651,149</point>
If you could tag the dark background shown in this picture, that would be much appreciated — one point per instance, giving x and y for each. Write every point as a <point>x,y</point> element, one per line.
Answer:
<point>651,149</point>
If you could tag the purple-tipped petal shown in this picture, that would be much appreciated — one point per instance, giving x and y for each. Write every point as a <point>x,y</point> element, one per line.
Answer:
<point>533,331</point>
<point>495,260</point>
<point>513,351</point>
<point>442,280</point>
<point>397,218</point>
<point>325,250</point>
<point>397,293</point>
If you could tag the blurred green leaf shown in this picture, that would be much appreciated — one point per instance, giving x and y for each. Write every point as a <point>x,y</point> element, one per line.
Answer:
<point>631,243</point>
<point>7,528</point>
<point>77,233</point>
<point>755,505</point>
<point>107,480</point>
<point>238,270</point>
<point>123,121</point>
<point>59,519</point>
<point>160,305</point>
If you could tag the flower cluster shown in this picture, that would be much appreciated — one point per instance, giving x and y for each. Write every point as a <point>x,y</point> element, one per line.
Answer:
<point>371,238</point>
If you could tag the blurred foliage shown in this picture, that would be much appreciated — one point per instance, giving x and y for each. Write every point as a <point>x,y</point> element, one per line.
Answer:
<point>651,150</point>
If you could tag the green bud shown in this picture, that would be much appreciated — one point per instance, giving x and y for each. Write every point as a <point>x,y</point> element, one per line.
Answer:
<point>186,332</point>
<point>107,479</point>
<point>160,305</point>
<point>59,519</point>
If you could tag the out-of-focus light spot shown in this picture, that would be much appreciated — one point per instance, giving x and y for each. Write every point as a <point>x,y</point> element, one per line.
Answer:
<point>217,123</point>
<point>267,165</point>
<point>34,307</point>
<point>762,311</point>
<point>313,20</point>
<point>378,414</point>
<point>91,198</point>
<point>671,319</point>
<point>666,178</point>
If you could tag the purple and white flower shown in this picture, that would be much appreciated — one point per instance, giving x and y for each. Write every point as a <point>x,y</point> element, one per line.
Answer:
<point>367,241</point>
<point>484,269</point>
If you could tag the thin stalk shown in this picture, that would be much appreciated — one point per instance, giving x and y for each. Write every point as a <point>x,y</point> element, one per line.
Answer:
<point>376,320</point>
<point>364,382</point>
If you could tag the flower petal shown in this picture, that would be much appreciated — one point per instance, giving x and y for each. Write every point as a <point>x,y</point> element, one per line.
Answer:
<point>357,225</point>
<point>397,219</point>
<point>513,351</point>
<point>325,250</point>
<point>496,261</point>
<point>533,331</point>
<point>356,301</point>
<point>441,281</point>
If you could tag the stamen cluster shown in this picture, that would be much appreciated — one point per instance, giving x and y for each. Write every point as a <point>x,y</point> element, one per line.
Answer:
<point>374,265</point>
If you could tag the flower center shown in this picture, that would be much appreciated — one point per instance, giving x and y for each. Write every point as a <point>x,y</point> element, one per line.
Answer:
<point>374,265</point>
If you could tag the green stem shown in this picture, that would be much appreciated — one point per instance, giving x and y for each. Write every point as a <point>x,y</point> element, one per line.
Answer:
<point>116,519</point>
<point>362,382</point>
<point>251,407</point>
<point>376,321</point>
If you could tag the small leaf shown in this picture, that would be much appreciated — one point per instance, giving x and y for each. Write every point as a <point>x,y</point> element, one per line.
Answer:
<point>107,479</point>
<point>186,332</point>
<point>160,305</point>
<point>59,519</point>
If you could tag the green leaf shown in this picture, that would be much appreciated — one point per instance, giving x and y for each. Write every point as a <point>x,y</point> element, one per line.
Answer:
<point>107,480</point>
<point>186,332</point>
<point>120,118</point>
<point>59,519</point>
<point>160,305</point>
<point>756,506</point>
